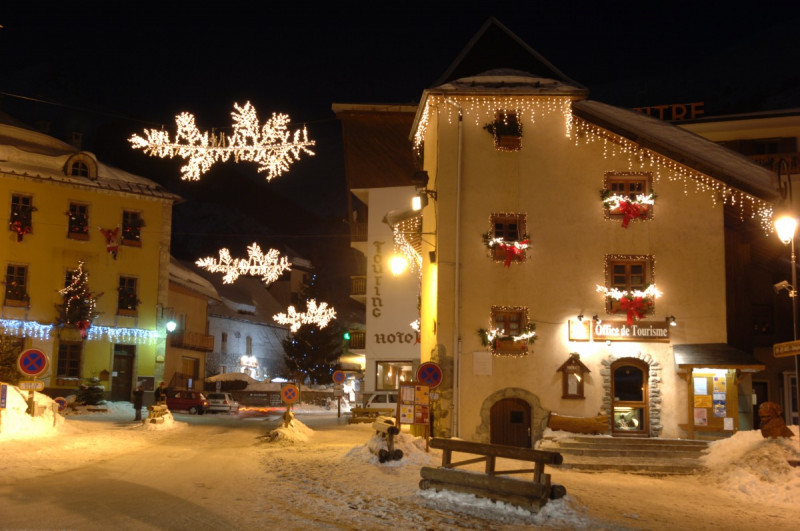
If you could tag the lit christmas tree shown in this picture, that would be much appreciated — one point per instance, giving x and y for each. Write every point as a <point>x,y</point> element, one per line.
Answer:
<point>312,353</point>
<point>79,308</point>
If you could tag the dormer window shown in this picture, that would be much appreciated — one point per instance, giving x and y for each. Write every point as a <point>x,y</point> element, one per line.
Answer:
<point>81,165</point>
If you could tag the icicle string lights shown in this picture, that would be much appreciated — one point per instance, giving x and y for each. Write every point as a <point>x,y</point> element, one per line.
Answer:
<point>482,108</point>
<point>408,243</point>
<point>616,146</point>
<point>272,146</point>
<point>319,315</point>
<point>269,266</point>
<point>32,329</point>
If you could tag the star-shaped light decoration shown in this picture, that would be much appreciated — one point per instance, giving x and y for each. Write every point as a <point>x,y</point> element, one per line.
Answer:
<point>319,315</point>
<point>272,145</point>
<point>269,266</point>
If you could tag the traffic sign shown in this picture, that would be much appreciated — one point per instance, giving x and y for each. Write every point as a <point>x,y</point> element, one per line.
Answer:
<point>62,403</point>
<point>33,362</point>
<point>290,393</point>
<point>3,396</point>
<point>339,377</point>
<point>430,373</point>
<point>784,350</point>
<point>28,385</point>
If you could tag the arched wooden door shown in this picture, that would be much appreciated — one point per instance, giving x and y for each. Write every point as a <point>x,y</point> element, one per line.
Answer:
<point>510,422</point>
<point>630,405</point>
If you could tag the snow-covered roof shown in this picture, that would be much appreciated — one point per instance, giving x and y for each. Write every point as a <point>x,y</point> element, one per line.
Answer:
<point>183,276</point>
<point>681,146</point>
<point>511,82</point>
<point>34,155</point>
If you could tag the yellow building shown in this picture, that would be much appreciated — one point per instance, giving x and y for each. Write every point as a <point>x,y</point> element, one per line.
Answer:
<point>601,227</point>
<point>67,211</point>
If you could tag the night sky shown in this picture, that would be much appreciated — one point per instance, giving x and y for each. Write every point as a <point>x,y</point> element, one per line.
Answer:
<point>111,69</point>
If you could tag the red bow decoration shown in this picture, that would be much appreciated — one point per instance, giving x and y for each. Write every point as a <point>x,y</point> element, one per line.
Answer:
<point>112,242</point>
<point>83,326</point>
<point>20,229</point>
<point>635,306</point>
<point>631,211</point>
<point>513,251</point>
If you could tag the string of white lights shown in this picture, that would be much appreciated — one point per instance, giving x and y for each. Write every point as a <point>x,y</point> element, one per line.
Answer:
<point>272,146</point>
<point>319,315</point>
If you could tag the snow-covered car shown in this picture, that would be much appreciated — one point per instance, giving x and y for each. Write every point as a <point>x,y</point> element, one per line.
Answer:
<point>192,401</point>
<point>222,402</point>
<point>382,400</point>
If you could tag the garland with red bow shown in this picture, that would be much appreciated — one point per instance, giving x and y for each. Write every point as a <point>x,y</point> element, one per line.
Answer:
<point>21,229</point>
<point>635,303</point>
<point>514,250</point>
<point>631,209</point>
<point>112,240</point>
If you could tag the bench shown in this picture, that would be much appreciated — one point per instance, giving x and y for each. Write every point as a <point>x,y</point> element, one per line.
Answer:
<point>368,414</point>
<point>493,484</point>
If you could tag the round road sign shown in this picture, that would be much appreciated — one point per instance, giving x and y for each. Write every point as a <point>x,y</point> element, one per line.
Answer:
<point>33,362</point>
<point>62,403</point>
<point>290,393</point>
<point>430,373</point>
<point>339,377</point>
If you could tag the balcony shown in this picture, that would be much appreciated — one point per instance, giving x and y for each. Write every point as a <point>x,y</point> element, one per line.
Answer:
<point>191,341</point>
<point>772,161</point>
<point>358,232</point>
<point>358,288</point>
<point>357,340</point>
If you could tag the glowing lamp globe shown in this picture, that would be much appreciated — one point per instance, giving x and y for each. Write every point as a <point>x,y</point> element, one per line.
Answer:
<point>171,326</point>
<point>786,227</point>
<point>397,264</point>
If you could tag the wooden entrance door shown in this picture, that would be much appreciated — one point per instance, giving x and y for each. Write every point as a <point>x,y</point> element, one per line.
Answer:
<point>629,397</point>
<point>122,377</point>
<point>510,422</point>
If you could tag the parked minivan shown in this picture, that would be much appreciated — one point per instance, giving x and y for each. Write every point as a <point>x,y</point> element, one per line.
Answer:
<point>382,400</point>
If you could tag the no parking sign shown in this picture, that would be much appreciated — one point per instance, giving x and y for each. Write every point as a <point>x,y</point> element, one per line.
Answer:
<point>62,403</point>
<point>33,362</point>
<point>290,393</point>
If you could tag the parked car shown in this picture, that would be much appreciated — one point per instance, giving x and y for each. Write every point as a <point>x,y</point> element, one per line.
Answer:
<point>192,401</point>
<point>222,402</point>
<point>382,400</point>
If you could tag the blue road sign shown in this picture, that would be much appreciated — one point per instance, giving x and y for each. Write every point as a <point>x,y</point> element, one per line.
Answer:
<point>430,373</point>
<point>339,376</point>
<point>3,395</point>
<point>32,362</point>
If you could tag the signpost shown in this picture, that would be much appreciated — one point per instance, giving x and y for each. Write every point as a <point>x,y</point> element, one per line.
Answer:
<point>3,399</point>
<point>786,350</point>
<point>62,403</point>
<point>338,390</point>
<point>31,385</point>
<point>32,362</point>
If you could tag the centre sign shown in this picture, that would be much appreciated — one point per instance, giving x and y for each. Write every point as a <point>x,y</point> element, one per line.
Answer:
<point>641,331</point>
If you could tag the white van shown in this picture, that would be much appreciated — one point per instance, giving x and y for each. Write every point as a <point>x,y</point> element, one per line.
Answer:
<point>383,400</point>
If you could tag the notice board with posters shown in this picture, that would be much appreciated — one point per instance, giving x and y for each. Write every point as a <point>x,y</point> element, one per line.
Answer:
<point>414,403</point>
<point>713,400</point>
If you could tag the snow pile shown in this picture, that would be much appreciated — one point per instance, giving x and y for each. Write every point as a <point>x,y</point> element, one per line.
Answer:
<point>556,514</point>
<point>413,449</point>
<point>15,423</point>
<point>750,465</point>
<point>296,432</point>
<point>168,424</point>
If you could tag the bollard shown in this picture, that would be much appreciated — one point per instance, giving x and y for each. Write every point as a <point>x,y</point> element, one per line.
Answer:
<point>386,428</point>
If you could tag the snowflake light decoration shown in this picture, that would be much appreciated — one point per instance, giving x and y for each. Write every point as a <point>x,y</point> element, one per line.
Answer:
<point>272,145</point>
<point>319,315</point>
<point>269,266</point>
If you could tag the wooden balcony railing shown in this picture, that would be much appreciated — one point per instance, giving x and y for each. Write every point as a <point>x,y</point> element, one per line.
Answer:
<point>191,340</point>
<point>358,231</point>
<point>357,339</point>
<point>358,286</point>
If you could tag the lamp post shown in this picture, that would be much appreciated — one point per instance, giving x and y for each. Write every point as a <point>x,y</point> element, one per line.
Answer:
<point>786,227</point>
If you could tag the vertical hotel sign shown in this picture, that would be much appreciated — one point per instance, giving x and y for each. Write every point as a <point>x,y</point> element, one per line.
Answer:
<point>641,331</point>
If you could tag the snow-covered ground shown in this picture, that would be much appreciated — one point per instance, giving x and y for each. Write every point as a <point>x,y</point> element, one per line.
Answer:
<point>102,470</point>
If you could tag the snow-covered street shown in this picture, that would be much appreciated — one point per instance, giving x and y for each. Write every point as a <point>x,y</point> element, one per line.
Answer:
<point>103,471</point>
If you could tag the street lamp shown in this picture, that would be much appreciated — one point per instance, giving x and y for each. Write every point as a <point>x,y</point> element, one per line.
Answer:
<point>786,227</point>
